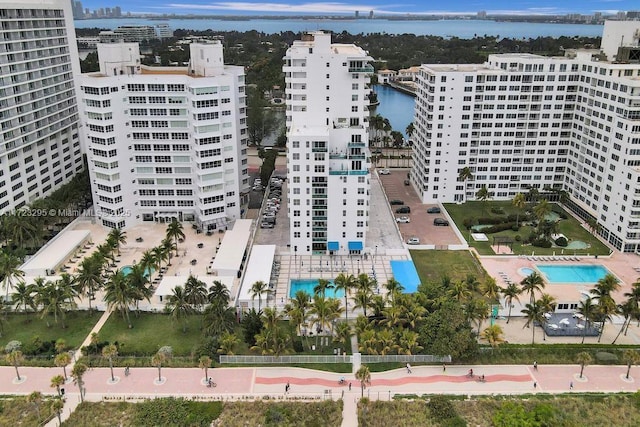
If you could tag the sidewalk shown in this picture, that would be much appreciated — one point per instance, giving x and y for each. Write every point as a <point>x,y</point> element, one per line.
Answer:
<point>244,383</point>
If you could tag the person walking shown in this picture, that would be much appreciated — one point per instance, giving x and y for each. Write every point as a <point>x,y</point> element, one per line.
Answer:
<point>408,368</point>
<point>349,386</point>
<point>535,365</point>
<point>571,385</point>
<point>535,385</point>
<point>444,368</point>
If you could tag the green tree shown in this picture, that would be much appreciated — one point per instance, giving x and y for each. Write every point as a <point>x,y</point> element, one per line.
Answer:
<point>534,314</point>
<point>630,357</point>
<point>494,335</point>
<point>477,311</point>
<point>119,294</point>
<point>158,360</point>
<point>589,311</point>
<point>260,120</point>
<point>322,286</point>
<point>117,238</point>
<point>56,382</point>
<point>228,343</point>
<point>9,271</point>
<point>297,310</point>
<point>77,373</point>
<point>175,232</point>
<point>196,292</point>
<point>602,294</point>
<point>61,361</point>
<point>57,405</point>
<point>446,331</point>
<point>519,202</point>
<point>35,398</point>
<point>205,363</point>
<point>511,292</point>
<point>23,296</point>
<point>363,374</point>
<point>532,283</point>
<point>490,289</point>
<point>179,307</point>
<point>583,359</point>
<point>465,175</point>
<point>218,292</point>
<point>345,282</point>
<point>88,279</point>
<point>219,318</point>
<point>483,196</point>
<point>258,289</point>
<point>110,351</point>
<point>394,288</point>
<point>15,358</point>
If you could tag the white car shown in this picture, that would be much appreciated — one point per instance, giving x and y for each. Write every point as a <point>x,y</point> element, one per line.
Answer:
<point>413,241</point>
<point>403,219</point>
<point>384,171</point>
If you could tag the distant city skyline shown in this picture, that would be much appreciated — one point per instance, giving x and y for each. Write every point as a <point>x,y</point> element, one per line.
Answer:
<point>379,7</point>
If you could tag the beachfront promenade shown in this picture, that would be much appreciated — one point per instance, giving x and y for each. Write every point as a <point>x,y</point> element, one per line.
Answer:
<point>252,382</point>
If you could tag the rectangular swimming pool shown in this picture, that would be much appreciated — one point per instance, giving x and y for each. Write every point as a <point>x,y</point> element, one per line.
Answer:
<point>572,273</point>
<point>307,285</point>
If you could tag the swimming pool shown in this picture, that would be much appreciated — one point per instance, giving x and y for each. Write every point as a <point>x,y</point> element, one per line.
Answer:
<point>404,271</point>
<point>126,270</point>
<point>307,286</point>
<point>572,273</point>
<point>526,271</point>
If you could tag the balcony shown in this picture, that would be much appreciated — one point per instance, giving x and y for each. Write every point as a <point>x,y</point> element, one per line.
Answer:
<point>347,172</point>
<point>356,145</point>
<point>362,69</point>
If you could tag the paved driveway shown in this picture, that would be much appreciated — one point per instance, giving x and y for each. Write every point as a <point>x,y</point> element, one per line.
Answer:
<point>421,224</point>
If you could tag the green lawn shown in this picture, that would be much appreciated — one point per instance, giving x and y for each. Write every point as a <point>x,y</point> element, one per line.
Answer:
<point>24,327</point>
<point>570,227</point>
<point>150,332</point>
<point>433,265</point>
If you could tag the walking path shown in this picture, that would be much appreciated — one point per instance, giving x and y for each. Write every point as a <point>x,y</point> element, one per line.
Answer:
<point>250,382</point>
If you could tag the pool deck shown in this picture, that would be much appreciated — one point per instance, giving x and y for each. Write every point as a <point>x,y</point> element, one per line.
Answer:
<point>620,264</point>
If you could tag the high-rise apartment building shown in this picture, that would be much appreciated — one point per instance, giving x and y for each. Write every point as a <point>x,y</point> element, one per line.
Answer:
<point>328,158</point>
<point>523,121</point>
<point>166,142</point>
<point>40,147</point>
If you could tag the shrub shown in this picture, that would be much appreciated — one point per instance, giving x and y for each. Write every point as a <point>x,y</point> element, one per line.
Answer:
<point>497,210</point>
<point>541,243</point>
<point>297,346</point>
<point>469,222</point>
<point>499,227</point>
<point>518,238</point>
<point>173,411</point>
<point>561,241</point>
<point>515,227</point>
<point>491,220</point>
<point>441,408</point>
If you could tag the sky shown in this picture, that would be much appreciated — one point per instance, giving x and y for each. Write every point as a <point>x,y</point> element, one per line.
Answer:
<point>379,7</point>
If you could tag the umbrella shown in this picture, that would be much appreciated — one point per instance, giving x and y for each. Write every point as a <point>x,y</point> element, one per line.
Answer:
<point>564,321</point>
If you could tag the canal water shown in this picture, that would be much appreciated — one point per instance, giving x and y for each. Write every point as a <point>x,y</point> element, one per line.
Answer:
<point>395,106</point>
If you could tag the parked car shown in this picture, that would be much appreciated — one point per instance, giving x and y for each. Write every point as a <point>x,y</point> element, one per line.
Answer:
<point>384,171</point>
<point>413,241</point>
<point>396,202</point>
<point>265,224</point>
<point>403,219</point>
<point>433,210</point>
<point>440,221</point>
<point>404,209</point>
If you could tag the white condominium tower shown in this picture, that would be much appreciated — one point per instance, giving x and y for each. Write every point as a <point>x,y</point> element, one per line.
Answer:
<point>166,142</point>
<point>40,148</point>
<point>523,121</point>
<point>327,145</point>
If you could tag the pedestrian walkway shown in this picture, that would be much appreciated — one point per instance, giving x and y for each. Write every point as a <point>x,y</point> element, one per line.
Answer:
<point>251,382</point>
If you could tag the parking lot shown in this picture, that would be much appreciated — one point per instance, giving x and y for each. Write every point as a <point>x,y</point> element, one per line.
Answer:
<point>421,225</point>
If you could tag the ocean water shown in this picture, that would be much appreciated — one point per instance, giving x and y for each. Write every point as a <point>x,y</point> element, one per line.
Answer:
<point>395,106</point>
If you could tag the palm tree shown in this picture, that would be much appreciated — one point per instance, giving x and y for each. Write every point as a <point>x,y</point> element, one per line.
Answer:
<point>159,255</point>
<point>583,358</point>
<point>61,361</point>
<point>119,294</point>
<point>35,398</point>
<point>149,260</point>
<point>258,289</point>
<point>175,232</point>
<point>490,289</point>
<point>297,310</point>
<point>541,210</point>
<point>77,373</point>
<point>167,246</point>
<point>179,307</point>
<point>157,360</point>
<point>138,283</point>
<point>630,357</point>
<point>410,129</point>
<point>464,175</point>
<point>477,311</point>
<point>322,286</point>
<point>110,351</point>
<point>321,309</point>
<point>533,195</point>
<point>534,314</point>
<point>117,237</point>
<point>57,405</point>
<point>61,345</point>
<point>482,195</point>
<point>532,283</point>
<point>459,291</point>
<point>23,296</point>
<point>15,358</point>
<point>628,309</point>
<point>196,292</point>
<point>602,293</point>
<point>510,293</point>
<point>56,297</point>
<point>227,342</point>
<point>56,382</point>
<point>519,202</point>
<point>9,271</point>
<point>393,288</point>
<point>205,363</point>
<point>588,310</point>
<point>345,282</point>
<point>219,318</point>
<point>409,343</point>
<point>364,376</point>
<point>88,280</point>
<point>494,335</point>
<point>219,292</point>
<point>343,333</point>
